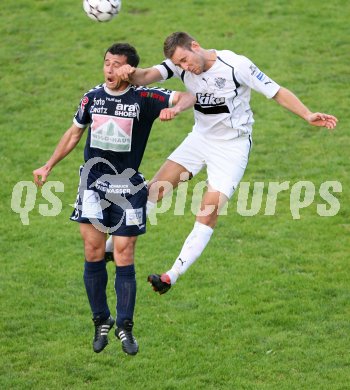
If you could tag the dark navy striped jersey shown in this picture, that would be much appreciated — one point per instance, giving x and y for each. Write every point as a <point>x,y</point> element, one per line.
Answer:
<point>119,123</point>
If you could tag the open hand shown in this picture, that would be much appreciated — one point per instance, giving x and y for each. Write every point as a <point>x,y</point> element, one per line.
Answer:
<point>322,120</point>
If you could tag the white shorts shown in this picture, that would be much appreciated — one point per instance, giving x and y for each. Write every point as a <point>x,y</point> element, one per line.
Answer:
<point>226,160</point>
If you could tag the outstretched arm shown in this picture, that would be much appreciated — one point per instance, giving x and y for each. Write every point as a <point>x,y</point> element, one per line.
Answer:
<point>287,99</point>
<point>67,143</point>
<point>139,76</point>
<point>181,102</point>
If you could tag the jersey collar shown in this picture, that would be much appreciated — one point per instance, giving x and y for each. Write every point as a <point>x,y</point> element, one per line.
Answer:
<point>116,93</point>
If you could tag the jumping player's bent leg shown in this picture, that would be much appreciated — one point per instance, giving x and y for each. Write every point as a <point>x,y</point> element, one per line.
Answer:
<point>226,163</point>
<point>195,243</point>
<point>166,179</point>
<point>199,237</point>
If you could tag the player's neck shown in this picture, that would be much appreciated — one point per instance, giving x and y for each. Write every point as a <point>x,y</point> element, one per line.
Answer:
<point>120,90</point>
<point>210,58</point>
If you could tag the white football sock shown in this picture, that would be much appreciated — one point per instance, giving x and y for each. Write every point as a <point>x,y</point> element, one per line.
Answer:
<point>109,244</point>
<point>193,247</point>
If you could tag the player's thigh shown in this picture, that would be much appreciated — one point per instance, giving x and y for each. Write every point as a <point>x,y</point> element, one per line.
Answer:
<point>166,179</point>
<point>94,242</point>
<point>182,164</point>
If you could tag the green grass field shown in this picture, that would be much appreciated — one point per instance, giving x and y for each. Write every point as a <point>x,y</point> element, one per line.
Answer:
<point>267,305</point>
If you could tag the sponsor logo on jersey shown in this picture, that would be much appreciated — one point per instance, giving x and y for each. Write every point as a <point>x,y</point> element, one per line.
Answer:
<point>253,69</point>
<point>98,106</point>
<point>112,188</point>
<point>98,110</point>
<point>220,82</point>
<point>263,78</point>
<point>127,110</point>
<point>259,75</point>
<point>99,102</point>
<point>83,103</point>
<point>111,133</point>
<point>121,110</point>
<point>208,99</point>
<point>153,95</point>
<point>113,99</point>
<point>207,103</point>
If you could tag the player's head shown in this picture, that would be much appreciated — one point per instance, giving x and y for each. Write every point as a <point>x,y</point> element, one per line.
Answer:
<point>185,51</point>
<point>124,49</point>
<point>177,39</point>
<point>115,56</point>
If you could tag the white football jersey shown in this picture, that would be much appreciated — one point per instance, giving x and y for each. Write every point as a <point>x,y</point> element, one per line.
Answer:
<point>222,110</point>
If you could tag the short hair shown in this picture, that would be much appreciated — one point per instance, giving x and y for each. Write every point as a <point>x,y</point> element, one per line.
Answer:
<point>124,49</point>
<point>177,39</point>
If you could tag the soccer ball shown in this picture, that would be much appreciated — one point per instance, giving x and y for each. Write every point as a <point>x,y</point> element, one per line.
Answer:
<point>102,10</point>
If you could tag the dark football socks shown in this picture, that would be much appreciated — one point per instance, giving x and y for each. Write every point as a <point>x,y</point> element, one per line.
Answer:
<point>95,279</point>
<point>125,288</point>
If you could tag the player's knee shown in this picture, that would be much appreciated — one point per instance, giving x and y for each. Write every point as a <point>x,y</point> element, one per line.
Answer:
<point>123,257</point>
<point>209,219</point>
<point>93,251</point>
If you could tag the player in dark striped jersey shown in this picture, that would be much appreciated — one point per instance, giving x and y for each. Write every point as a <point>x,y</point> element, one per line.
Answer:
<point>222,82</point>
<point>112,193</point>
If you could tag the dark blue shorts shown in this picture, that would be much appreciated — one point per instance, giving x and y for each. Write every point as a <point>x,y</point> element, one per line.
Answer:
<point>114,204</point>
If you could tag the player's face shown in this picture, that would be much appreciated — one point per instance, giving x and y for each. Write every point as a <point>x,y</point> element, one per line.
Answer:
<point>111,65</point>
<point>189,60</point>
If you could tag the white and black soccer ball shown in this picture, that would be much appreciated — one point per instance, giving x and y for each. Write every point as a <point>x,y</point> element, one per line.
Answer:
<point>102,10</point>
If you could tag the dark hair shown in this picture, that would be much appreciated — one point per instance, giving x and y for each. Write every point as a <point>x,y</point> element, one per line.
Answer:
<point>124,49</point>
<point>177,39</point>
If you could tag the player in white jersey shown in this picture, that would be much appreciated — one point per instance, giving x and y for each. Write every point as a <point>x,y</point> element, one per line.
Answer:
<point>223,93</point>
<point>221,136</point>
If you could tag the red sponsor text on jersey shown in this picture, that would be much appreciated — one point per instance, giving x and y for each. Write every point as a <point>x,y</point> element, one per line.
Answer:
<point>152,95</point>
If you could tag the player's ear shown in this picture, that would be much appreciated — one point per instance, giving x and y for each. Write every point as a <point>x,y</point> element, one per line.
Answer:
<point>195,46</point>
